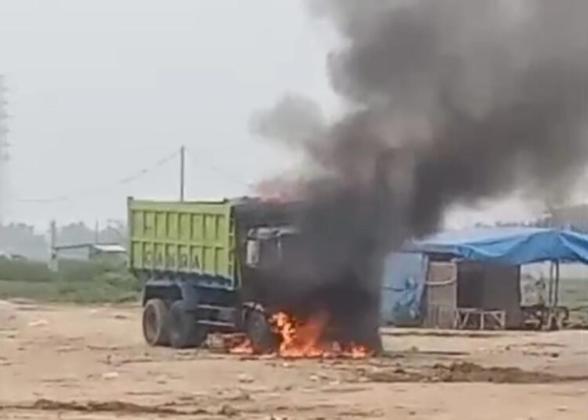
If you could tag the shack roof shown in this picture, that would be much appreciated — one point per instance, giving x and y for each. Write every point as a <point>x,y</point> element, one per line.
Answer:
<point>104,248</point>
<point>110,248</point>
<point>506,246</point>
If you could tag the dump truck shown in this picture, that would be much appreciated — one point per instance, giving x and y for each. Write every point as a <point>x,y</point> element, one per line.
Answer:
<point>230,265</point>
<point>205,267</point>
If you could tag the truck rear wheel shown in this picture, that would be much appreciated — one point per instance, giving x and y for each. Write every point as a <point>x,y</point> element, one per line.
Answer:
<point>184,331</point>
<point>155,325</point>
<point>260,333</point>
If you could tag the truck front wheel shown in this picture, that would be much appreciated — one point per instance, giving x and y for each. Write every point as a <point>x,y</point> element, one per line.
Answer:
<point>184,331</point>
<point>260,333</point>
<point>155,316</point>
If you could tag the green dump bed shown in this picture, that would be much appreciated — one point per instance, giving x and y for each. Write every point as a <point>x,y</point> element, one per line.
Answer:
<point>182,238</point>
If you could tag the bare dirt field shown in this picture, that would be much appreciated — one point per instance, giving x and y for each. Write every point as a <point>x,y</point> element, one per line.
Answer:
<point>73,362</point>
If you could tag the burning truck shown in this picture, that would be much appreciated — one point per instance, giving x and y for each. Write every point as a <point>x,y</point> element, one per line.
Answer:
<point>246,266</point>
<point>479,99</point>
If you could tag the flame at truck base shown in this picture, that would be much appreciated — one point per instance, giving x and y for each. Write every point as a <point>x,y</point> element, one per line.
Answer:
<point>305,339</point>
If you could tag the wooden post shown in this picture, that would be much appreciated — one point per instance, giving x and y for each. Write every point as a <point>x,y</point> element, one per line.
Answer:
<point>53,263</point>
<point>182,173</point>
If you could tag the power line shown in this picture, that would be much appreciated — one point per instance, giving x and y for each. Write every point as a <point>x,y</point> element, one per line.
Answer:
<point>231,177</point>
<point>145,171</point>
<point>92,191</point>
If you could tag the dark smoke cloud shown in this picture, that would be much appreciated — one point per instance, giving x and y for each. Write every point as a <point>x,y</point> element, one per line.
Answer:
<point>487,95</point>
<point>499,92</point>
<point>452,101</point>
<point>294,119</point>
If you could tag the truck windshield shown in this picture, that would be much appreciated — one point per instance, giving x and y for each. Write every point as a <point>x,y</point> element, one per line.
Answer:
<point>277,250</point>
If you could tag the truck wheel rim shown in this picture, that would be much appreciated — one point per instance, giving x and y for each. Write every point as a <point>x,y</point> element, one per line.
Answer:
<point>151,325</point>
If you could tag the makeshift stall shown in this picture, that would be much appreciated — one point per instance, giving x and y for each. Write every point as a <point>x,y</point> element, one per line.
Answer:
<point>491,258</point>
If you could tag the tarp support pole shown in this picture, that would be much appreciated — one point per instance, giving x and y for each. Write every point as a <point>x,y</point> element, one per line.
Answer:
<point>556,291</point>
<point>550,285</point>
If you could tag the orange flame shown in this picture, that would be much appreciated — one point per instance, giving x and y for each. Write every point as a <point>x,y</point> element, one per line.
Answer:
<point>300,339</point>
<point>305,340</point>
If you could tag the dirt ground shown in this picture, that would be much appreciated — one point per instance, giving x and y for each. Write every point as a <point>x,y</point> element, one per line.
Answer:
<point>72,362</point>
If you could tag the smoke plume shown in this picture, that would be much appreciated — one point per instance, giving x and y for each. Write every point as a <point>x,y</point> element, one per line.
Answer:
<point>450,101</point>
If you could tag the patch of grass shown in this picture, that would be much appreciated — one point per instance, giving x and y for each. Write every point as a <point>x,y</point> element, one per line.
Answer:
<point>30,271</point>
<point>574,294</point>
<point>77,282</point>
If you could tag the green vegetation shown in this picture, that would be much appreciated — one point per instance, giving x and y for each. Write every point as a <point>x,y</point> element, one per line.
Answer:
<point>574,294</point>
<point>92,282</point>
<point>75,281</point>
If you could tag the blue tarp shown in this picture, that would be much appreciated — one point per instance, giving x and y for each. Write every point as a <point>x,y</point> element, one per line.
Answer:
<point>509,246</point>
<point>402,288</point>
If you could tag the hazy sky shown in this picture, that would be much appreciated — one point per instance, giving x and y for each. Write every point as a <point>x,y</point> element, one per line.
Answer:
<point>102,89</point>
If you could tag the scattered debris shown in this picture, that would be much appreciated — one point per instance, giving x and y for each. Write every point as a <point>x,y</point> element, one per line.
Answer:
<point>553,355</point>
<point>239,395</point>
<point>38,323</point>
<point>110,375</point>
<point>245,379</point>
<point>143,359</point>
<point>358,413</point>
<point>120,407</point>
<point>228,410</point>
<point>465,372</point>
<point>470,372</point>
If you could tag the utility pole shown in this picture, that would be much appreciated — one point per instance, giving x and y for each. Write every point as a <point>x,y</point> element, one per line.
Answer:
<point>182,173</point>
<point>4,157</point>
<point>53,264</point>
<point>97,233</point>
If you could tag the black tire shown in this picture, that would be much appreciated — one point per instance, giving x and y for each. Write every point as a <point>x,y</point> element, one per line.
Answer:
<point>260,333</point>
<point>184,331</point>
<point>155,323</point>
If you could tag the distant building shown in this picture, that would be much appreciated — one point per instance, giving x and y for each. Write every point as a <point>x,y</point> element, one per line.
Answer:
<point>91,252</point>
<point>570,217</point>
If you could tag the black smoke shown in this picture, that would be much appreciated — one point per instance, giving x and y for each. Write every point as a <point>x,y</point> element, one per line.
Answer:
<point>449,101</point>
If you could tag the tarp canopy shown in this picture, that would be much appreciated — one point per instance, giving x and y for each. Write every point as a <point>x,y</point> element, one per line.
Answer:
<point>507,246</point>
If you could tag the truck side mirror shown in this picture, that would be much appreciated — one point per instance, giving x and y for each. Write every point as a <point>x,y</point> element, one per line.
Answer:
<point>253,251</point>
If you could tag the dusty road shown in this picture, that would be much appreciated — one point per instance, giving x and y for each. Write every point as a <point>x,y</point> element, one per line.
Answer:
<point>60,362</point>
